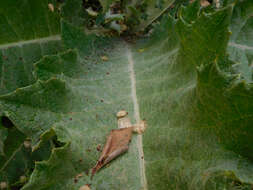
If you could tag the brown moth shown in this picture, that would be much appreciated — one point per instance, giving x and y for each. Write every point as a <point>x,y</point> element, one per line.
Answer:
<point>118,141</point>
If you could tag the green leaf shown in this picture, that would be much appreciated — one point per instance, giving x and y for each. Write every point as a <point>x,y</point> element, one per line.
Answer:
<point>70,104</point>
<point>109,17</point>
<point>191,12</point>
<point>29,30</point>
<point>16,61</point>
<point>75,37</point>
<point>196,101</point>
<point>106,4</point>
<point>94,97</point>
<point>212,28</point>
<point>200,112</point>
<point>14,162</point>
<point>25,20</point>
<point>240,45</point>
<point>18,160</point>
<point>154,9</point>
<point>72,12</point>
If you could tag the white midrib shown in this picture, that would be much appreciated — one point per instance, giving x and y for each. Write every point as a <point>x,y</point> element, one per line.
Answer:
<point>240,46</point>
<point>38,40</point>
<point>137,118</point>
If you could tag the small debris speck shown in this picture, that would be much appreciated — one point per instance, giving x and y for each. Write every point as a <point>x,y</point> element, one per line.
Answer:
<point>141,50</point>
<point>104,58</point>
<point>99,147</point>
<point>3,185</point>
<point>85,187</point>
<point>87,172</point>
<point>51,7</point>
<point>23,179</point>
<point>27,144</point>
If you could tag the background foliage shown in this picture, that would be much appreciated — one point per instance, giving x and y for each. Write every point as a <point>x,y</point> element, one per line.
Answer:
<point>193,67</point>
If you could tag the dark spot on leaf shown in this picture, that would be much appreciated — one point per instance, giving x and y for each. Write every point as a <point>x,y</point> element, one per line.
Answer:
<point>102,100</point>
<point>88,185</point>
<point>107,73</point>
<point>99,147</point>
<point>142,157</point>
<point>80,160</point>
<point>87,172</point>
<point>6,122</point>
<point>57,143</point>
<point>20,58</point>
<point>16,187</point>
<point>172,6</point>
<point>70,119</point>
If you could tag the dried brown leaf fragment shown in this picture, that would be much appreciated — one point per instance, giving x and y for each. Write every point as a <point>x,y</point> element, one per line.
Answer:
<point>116,144</point>
<point>118,140</point>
